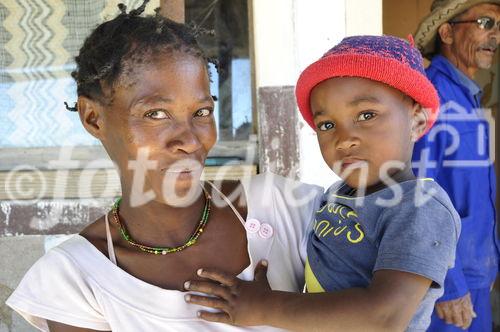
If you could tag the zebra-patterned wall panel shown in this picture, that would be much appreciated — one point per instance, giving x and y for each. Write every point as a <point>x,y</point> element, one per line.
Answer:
<point>38,41</point>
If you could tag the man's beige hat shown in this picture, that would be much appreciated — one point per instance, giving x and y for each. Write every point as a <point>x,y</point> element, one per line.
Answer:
<point>442,11</point>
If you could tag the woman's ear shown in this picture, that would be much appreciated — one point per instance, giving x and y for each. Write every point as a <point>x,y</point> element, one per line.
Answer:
<point>445,33</point>
<point>419,122</point>
<point>92,116</point>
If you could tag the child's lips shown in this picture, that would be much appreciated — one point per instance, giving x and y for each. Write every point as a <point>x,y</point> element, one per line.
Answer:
<point>352,163</point>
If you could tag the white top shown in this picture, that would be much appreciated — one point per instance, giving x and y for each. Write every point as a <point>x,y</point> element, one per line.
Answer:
<point>77,285</point>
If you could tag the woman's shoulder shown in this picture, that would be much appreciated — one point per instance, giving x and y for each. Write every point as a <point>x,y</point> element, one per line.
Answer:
<point>282,201</point>
<point>58,288</point>
<point>95,233</point>
<point>278,182</point>
<point>266,186</point>
<point>68,255</point>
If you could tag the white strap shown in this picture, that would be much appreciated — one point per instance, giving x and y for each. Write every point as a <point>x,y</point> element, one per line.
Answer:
<point>109,240</point>
<point>238,215</point>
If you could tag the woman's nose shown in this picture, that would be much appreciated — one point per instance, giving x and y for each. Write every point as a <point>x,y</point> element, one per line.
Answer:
<point>184,139</point>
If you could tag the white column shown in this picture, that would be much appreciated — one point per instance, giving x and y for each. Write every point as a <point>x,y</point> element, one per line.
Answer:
<point>291,34</point>
<point>363,17</point>
<point>319,25</point>
<point>273,33</point>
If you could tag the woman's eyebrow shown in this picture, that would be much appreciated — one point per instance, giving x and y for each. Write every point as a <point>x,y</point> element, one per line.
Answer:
<point>151,100</point>
<point>156,99</point>
<point>206,99</point>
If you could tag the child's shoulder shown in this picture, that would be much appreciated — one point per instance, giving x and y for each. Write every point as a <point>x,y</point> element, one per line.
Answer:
<point>426,192</point>
<point>426,204</point>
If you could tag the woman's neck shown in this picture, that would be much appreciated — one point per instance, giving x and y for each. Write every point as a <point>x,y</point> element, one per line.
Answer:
<point>159,224</point>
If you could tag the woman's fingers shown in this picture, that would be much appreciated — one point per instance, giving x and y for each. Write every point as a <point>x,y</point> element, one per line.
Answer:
<point>221,277</point>
<point>208,287</point>
<point>219,317</point>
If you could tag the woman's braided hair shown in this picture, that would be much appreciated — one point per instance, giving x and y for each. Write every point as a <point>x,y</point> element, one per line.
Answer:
<point>129,39</point>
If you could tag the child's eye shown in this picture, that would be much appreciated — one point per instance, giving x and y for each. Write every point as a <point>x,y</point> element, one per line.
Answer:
<point>156,114</point>
<point>324,126</point>
<point>366,116</point>
<point>203,112</point>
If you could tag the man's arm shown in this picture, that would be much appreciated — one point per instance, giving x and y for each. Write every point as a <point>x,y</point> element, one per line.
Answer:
<point>454,307</point>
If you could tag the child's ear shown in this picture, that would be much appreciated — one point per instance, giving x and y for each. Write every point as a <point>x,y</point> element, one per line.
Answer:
<point>445,33</point>
<point>91,115</point>
<point>419,122</point>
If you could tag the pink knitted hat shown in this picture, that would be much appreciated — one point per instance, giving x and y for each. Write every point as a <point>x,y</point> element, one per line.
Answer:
<point>386,59</point>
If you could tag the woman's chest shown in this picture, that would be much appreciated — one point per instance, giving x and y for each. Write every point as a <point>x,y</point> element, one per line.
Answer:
<point>224,248</point>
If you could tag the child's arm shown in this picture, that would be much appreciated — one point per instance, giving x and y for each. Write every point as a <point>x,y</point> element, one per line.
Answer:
<point>388,304</point>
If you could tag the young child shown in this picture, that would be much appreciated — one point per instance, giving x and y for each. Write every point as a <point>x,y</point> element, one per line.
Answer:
<point>383,240</point>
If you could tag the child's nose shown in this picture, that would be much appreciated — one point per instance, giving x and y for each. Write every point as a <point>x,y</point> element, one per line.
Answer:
<point>346,140</point>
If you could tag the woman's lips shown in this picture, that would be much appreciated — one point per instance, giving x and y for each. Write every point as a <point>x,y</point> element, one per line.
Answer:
<point>179,171</point>
<point>183,166</point>
<point>182,171</point>
<point>183,174</point>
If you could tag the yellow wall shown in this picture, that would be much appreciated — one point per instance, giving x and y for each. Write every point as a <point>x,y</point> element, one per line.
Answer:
<point>401,18</point>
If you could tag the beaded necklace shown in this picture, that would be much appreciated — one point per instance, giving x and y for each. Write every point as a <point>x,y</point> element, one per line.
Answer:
<point>164,250</point>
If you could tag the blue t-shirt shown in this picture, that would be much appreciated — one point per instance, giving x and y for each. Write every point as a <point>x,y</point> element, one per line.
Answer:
<point>411,227</point>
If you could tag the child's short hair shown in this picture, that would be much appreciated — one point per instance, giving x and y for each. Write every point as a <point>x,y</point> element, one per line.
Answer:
<point>386,59</point>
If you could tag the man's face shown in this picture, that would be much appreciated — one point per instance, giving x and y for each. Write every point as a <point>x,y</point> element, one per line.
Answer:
<point>473,46</point>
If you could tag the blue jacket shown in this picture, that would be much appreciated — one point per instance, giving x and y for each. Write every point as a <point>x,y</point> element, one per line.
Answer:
<point>456,154</point>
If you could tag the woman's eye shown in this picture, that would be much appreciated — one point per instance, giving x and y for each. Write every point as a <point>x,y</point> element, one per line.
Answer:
<point>324,126</point>
<point>366,116</point>
<point>203,112</point>
<point>156,114</point>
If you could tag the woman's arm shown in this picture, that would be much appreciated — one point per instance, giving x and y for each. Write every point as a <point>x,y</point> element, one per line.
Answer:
<point>59,327</point>
<point>388,304</point>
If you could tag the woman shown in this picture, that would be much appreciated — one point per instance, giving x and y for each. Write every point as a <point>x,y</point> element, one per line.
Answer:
<point>143,91</point>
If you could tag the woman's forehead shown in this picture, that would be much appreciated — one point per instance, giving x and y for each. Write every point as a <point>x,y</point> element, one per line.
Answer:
<point>164,79</point>
<point>173,61</point>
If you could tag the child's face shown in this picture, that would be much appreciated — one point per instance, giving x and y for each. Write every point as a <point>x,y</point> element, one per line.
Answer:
<point>162,107</point>
<point>362,125</point>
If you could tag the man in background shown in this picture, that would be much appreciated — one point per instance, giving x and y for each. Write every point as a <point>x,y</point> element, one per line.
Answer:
<point>460,37</point>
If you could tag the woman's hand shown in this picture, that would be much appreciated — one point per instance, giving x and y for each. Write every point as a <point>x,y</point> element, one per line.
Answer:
<point>240,302</point>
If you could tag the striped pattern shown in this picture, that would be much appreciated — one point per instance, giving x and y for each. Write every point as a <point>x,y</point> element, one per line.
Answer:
<point>389,47</point>
<point>38,40</point>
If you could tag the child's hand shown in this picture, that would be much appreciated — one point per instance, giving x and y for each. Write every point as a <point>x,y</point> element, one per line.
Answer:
<point>240,302</point>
